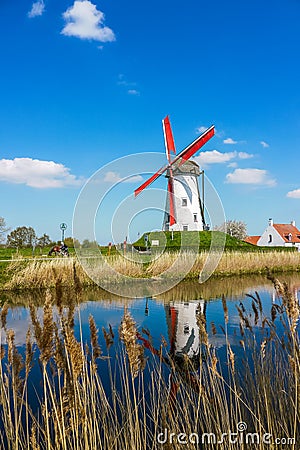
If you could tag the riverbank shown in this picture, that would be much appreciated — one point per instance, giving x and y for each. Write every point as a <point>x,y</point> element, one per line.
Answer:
<point>24,274</point>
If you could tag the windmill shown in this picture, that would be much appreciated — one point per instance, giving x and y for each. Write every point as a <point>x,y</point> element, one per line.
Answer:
<point>183,329</point>
<point>184,206</point>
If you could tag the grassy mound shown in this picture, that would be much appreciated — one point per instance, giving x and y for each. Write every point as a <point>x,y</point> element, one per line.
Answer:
<point>173,241</point>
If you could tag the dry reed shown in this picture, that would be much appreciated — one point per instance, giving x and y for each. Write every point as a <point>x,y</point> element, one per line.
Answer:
<point>69,272</point>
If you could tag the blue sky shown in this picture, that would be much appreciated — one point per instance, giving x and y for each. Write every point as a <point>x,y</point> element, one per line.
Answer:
<point>83,83</point>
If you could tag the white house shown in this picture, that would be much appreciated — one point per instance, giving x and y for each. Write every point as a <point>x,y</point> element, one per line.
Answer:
<point>280,234</point>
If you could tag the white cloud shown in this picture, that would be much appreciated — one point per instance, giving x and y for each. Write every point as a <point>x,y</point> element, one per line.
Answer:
<point>36,173</point>
<point>244,155</point>
<point>233,164</point>
<point>37,9</point>
<point>294,194</point>
<point>250,176</point>
<point>230,141</point>
<point>213,157</point>
<point>130,85</point>
<point>201,129</point>
<point>123,82</point>
<point>264,144</point>
<point>84,21</point>
<point>133,92</point>
<point>216,157</point>
<point>114,177</point>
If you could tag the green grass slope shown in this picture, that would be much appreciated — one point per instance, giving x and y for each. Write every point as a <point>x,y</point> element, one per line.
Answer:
<point>190,239</point>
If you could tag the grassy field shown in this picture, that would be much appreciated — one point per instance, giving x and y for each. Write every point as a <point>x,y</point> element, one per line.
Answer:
<point>192,396</point>
<point>13,253</point>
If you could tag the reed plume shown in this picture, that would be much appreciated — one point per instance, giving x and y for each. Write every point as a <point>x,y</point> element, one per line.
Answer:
<point>225,308</point>
<point>289,300</point>
<point>29,353</point>
<point>201,322</point>
<point>135,351</point>
<point>3,315</point>
<point>108,336</point>
<point>96,350</point>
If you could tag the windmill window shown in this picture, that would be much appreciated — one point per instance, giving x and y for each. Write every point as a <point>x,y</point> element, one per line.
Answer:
<point>184,202</point>
<point>289,237</point>
<point>186,328</point>
<point>185,228</point>
<point>270,239</point>
<point>195,218</point>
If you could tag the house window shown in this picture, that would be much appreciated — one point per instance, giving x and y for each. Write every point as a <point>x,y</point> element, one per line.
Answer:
<point>270,239</point>
<point>184,202</point>
<point>290,237</point>
<point>185,228</point>
<point>195,218</point>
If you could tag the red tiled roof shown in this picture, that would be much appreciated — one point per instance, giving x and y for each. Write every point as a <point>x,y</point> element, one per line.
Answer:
<point>287,229</point>
<point>252,239</point>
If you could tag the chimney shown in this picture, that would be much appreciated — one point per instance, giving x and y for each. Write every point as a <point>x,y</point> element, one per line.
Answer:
<point>293,223</point>
<point>270,222</point>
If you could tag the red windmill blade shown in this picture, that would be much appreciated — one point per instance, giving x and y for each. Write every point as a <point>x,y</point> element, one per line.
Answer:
<point>185,154</point>
<point>191,149</point>
<point>169,140</point>
<point>170,147</point>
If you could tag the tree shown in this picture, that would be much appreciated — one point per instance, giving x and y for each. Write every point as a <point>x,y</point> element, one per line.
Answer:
<point>44,241</point>
<point>89,244</point>
<point>235,228</point>
<point>22,237</point>
<point>3,229</point>
<point>71,242</point>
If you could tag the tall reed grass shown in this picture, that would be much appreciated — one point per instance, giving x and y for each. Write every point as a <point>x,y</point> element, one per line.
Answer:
<point>43,274</point>
<point>181,395</point>
<point>231,263</point>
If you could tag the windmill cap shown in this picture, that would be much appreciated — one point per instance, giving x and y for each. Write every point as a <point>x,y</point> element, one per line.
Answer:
<point>190,167</point>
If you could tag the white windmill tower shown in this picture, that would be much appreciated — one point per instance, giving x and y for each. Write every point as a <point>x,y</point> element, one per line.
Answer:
<point>187,202</point>
<point>184,206</point>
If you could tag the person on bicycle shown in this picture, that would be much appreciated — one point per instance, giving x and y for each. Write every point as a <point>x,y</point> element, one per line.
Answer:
<point>64,249</point>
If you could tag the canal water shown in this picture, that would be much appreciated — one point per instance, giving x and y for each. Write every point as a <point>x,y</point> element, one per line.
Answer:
<point>170,318</point>
<point>170,315</point>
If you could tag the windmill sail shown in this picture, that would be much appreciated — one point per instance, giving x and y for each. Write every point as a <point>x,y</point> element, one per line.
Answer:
<point>185,154</point>
<point>172,219</point>
<point>150,180</point>
<point>191,149</point>
<point>170,147</point>
<point>169,140</point>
